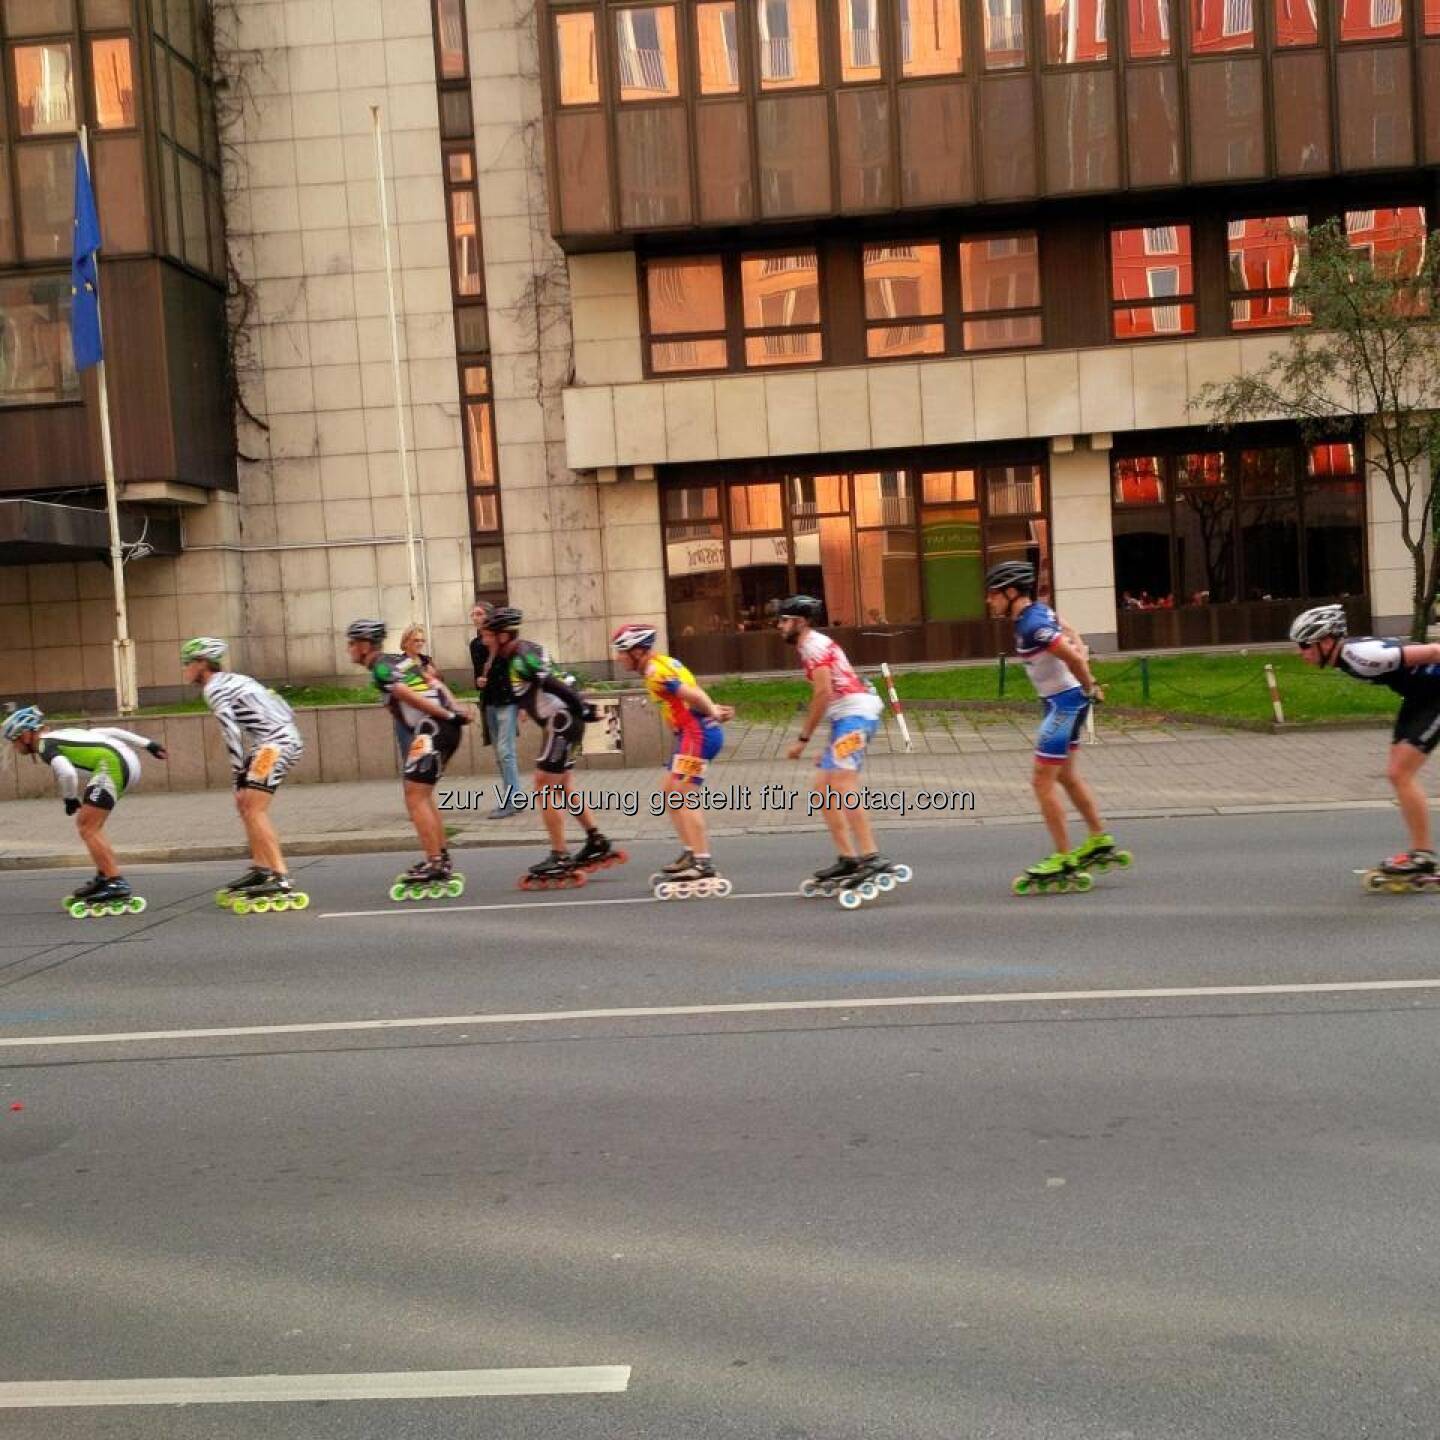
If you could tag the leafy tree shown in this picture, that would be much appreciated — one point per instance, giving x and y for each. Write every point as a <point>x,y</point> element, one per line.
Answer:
<point>1371,356</point>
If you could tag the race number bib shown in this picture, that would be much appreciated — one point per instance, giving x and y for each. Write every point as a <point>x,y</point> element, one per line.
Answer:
<point>691,766</point>
<point>263,761</point>
<point>849,744</point>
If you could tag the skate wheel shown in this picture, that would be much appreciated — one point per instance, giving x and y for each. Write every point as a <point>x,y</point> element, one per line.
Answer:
<point>903,873</point>
<point>722,889</point>
<point>299,901</point>
<point>869,890</point>
<point>280,903</point>
<point>1124,859</point>
<point>263,905</point>
<point>1374,883</point>
<point>809,889</point>
<point>222,899</point>
<point>1020,885</point>
<point>137,904</point>
<point>1084,882</point>
<point>117,907</point>
<point>620,857</point>
<point>851,899</point>
<point>886,882</point>
<point>397,891</point>
<point>436,891</point>
<point>656,879</point>
<point>455,887</point>
<point>665,890</point>
<point>77,908</point>
<point>240,906</point>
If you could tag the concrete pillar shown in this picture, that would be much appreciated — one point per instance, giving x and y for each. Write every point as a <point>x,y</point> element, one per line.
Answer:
<point>1082,555</point>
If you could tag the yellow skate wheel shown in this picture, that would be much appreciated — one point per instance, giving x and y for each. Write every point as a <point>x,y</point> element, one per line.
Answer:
<point>240,906</point>
<point>397,891</point>
<point>455,887</point>
<point>137,904</point>
<point>299,901</point>
<point>78,908</point>
<point>280,902</point>
<point>1374,882</point>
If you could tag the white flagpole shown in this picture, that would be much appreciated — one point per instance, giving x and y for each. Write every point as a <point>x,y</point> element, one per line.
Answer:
<point>127,697</point>
<point>419,596</point>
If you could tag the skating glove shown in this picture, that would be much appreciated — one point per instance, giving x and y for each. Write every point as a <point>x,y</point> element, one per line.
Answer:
<point>156,749</point>
<point>71,805</point>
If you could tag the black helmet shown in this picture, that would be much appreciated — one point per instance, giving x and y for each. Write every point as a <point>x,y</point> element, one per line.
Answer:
<point>803,607</point>
<point>1019,574</point>
<point>371,630</point>
<point>507,617</point>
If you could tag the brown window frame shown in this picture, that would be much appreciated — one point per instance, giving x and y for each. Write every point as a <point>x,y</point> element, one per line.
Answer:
<point>938,318</point>
<point>650,339</point>
<point>683,93</point>
<point>1271,292</point>
<point>1018,312</point>
<point>1180,299</point>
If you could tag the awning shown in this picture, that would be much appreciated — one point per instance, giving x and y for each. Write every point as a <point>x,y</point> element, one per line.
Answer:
<point>39,532</point>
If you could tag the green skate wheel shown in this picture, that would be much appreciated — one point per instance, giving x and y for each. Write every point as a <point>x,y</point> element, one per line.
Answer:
<point>240,906</point>
<point>1083,881</point>
<point>455,887</point>
<point>117,907</point>
<point>223,899</point>
<point>397,890</point>
<point>436,891</point>
<point>137,904</point>
<point>1123,859</point>
<point>1020,885</point>
<point>299,901</point>
<point>78,908</point>
<point>851,900</point>
<point>280,902</point>
<point>95,912</point>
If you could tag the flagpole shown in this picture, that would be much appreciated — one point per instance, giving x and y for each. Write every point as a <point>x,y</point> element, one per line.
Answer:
<point>419,596</point>
<point>126,690</point>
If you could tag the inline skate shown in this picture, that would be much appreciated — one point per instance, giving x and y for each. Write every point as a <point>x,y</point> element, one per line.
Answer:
<point>268,891</point>
<point>1098,853</point>
<point>1401,874</point>
<point>874,875</point>
<point>1056,873</point>
<point>696,881</point>
<point>429,879</point>
<point>558,871</point>
<point>104,895</point>
<point>597,853</point>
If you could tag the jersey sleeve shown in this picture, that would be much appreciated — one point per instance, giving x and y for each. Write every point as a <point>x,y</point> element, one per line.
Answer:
<point>1040,629</point>
<point>384,676</point>
<point>129,737</point>
<point>1373,659</point>
<point>66,776</point>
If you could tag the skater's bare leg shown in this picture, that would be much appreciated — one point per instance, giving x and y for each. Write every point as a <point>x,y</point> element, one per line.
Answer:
<point>254,808</point>
<point>836,820</point>
<point>1081,796</point>
<point>91,824</point>
<point>1404,775</point>
<point>425,816</point>
<point>550,791</point>
<point>1052,808</point>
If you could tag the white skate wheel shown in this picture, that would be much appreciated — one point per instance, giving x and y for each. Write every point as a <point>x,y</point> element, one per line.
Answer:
<point>886,882</point>
<point>665,890</point>
<point>850,900</point>
<point>868,890</point>
<point>810,888</point>
<point>903,873</point>
<point>723,888</point>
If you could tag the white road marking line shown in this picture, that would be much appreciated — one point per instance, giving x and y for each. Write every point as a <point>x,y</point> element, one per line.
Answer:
<point>254,1389</point>
<point>411,908</point>
<point>749,1007</point>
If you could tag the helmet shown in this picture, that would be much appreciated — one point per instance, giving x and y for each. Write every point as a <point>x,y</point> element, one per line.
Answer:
<point>203,647</point>
<point>506,617</point>
<point>803,607</point>
<point>1313,625</point>
<point>26,718</point>
<point>633,637</point>
<point>371,630</point>
<point>1017,573</point>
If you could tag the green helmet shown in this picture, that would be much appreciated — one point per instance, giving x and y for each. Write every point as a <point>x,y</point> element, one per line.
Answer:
<point>203,647</point>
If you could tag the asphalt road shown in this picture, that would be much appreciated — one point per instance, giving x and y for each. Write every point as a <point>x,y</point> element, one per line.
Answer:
<point>1198,1214</point>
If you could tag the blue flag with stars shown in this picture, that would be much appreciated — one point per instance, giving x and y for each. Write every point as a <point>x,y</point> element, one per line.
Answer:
<point>84,276</point>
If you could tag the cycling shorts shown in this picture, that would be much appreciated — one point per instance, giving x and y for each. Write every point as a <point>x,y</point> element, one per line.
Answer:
<point>1418,722</point>
<point>1059,732</point>
<point>695,747</point>
<point>433,743</point>
<point>849,735</point>
<point>563,734</point>
<point>268,764</point>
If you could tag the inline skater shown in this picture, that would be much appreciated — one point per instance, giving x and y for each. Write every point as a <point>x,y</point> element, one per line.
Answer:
<point>1412,670</point>
<point>695,720</point>
<point>437,728</point>
<point>104,755</point>
<point>264,744</point>
<point>1054,656</point>
<point>561,713</point>
<point>852,708</point>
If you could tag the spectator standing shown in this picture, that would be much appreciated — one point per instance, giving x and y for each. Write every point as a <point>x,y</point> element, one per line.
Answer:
<point>498,707</point>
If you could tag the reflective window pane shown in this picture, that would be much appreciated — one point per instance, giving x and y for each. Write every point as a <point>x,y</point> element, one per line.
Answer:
<point>187,105</point>
<point>780,288</point>
<point>1270,547</point>
<point>1432,17</point>
<point>932,37</point>
<point>942,487</point>
<point>1142,557</point>
<point>717,39</point>
<point>112,64</point>
<point>119,166</point>
<point>38,17</point>
<point>1010,333</point>
<point>667,356</point>
<point>812,495</point>
<point>181,22</point>
<point>1296,23</point>
<point>1270,471</point>
<point>450,32</point>
<point>193,216</point>
<point>577,78</point>
<point>1372,19</point>
<point>1026,540</point>
<point>695,567</point>
<point>795,347</point>
<point>459,167</point>
<point>44,88</point>
<point>789,42</point>
<point>465,241</point>
<point>884,499</point>
<point>457,117</point>
<point>893,342</point>
<point>1335,537</point>
<point>889,579</point>
<point>1153,262</point>
<point>759,579</point>
<point>489,568</point>
<point>1218,26</point>
<point>37,363</point>
<point>170,187</point>
<point>480,442</point>
<point>7,215</point>
<point>1149,32</point>
<point>476,379</point>
<point>47,196</point>
<point>107,14</point>
<point>1394,240</point>
<point>755,508</point>
<point>1335,458</point>
<point>952,560</point>
<point>1265,253</point>
<point>472,330</point>
<point>685,294</point>
<point>646,52</point>
<point>687,504</point>
<point>1004,22</point>
<point>1205,546</point>
<point>1139,481</point>
<point>858,22</point>
<point>1014,490</point>
<point>484,511</point>
<point>902,281</point>
<point>1000,272</point>
<point>1075,32</point>
<point>1201,470</point>
<point>825,566</point>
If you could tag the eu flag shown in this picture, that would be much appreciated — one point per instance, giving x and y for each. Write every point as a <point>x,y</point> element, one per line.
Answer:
<point>84,277</point>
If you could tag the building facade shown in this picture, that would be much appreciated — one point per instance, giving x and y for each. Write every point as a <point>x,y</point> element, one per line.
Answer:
<point>701,302</point>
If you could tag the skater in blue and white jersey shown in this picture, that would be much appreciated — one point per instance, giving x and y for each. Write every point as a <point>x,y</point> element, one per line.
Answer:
<point>1412,671</point>
<point>1054,657</point>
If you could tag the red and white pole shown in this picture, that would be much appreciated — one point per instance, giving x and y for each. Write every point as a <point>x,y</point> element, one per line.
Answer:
<point>895,706</point>
<point>1274,695</point>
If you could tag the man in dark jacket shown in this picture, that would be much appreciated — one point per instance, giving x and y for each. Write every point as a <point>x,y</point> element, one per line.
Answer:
<point>497,707</point>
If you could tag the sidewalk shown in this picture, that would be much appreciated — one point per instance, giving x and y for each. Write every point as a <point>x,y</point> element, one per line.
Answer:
<point>1136,769</point>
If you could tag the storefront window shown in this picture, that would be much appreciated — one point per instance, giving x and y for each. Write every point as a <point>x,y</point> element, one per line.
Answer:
<point>695,561</point>
<point>951,547</point>
<point>37,364</point>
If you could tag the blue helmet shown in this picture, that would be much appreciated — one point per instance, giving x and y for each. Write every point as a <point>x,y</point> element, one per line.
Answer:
<point>19,722</point>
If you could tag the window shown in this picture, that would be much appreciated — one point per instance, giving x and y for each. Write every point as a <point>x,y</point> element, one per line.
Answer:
<point>577,75</point>
<point>1075,32</point>
<point>780,297</point>
<point>1004,34</point>
<point>1000,291</point>
<point>112,64</point>
<point>44,88</point>
<point>645,50</point>
<point>46,175</point>
<point>1152,265</point>
<point>695,561</point>
<point>932,37</point>
<point>1204,531</point>
<point>1334,520</point>
<point>38,17</point>
<point>952,554</point>
<point>1296,23</point>
<point>465,242</point>
<point>1220,26</point>
<point>789,40</point>
<point>1149,29</point>
<point>717,38</point>
<point>1015,527</point>
<point>685,301</point>
<point>107,14</point>
<point>902,284</point>
<point>1264,257</point>
<point>1366,20</point>
<point>1394,239</point>
<point>37,364</point>
<point>450,38</point>
<point>480,449</point>
<point>1432,17</point>
<point>859,26</point>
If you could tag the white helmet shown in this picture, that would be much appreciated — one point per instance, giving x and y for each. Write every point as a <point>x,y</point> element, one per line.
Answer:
<point>633,637</point>
<point>203,647</point>
<point>21,722</point>
<point>1316,624</point>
